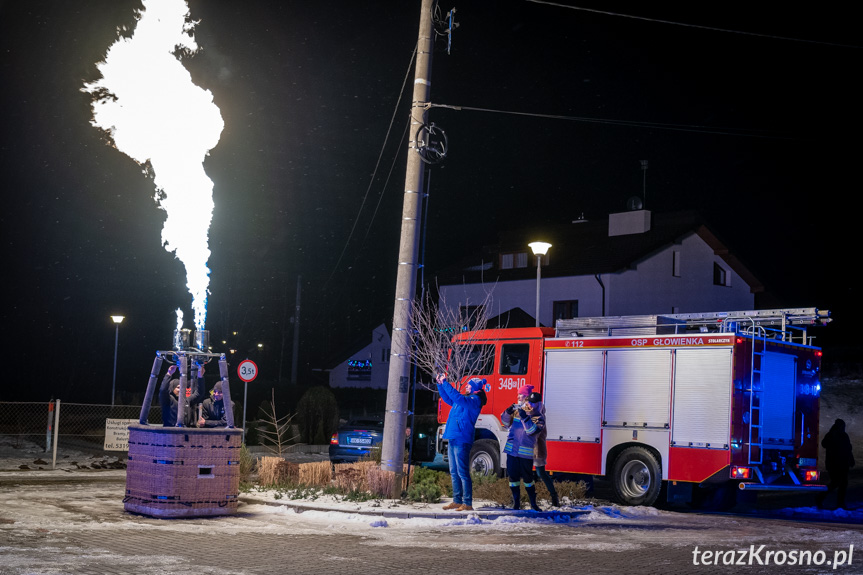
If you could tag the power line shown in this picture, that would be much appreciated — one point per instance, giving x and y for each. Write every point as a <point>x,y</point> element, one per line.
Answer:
<point>711,28</point>
<point>640,124</point>
<point>374,173</point>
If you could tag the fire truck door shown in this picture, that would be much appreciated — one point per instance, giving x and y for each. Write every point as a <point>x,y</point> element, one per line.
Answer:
<point>778,378</point>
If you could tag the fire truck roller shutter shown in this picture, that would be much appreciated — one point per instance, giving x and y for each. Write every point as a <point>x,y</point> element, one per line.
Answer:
<point>637,388</point>
<point>573,394</point>
<point>702,398</point>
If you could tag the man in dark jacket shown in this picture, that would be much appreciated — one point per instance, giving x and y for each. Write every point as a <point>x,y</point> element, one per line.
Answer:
<point>839,460</point>
<point>169,398</point>
<point>459,432</point>
<point>213,409</point>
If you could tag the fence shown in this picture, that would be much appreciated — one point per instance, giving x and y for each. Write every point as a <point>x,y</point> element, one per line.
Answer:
<point>78,426</point>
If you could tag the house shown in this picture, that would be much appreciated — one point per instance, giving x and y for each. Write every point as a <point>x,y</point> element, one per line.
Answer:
<point>367,365</point>
<point>634,263</point>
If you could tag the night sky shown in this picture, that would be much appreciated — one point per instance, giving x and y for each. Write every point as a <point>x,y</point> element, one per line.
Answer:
<point>751,118</point>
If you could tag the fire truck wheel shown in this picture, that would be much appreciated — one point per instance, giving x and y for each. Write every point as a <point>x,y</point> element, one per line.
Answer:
<point>484,457</point>
<point>637,477</point>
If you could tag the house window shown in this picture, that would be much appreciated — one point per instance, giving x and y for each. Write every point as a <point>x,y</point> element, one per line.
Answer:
<point>675,264</point>
<point>385,355</point>
<point>512,260</point>
<point>720,276</point>
<point>566,309</point>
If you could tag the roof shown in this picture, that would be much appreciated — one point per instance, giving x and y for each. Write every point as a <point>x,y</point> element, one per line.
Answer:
<point>585,248</point>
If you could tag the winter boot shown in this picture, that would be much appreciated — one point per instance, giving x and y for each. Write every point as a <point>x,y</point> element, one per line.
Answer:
<point>555,500</point>
<point>516,496</point>
<point>531,494</point>
<point>452,505</point>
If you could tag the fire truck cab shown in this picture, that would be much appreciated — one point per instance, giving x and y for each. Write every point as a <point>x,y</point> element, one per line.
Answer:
<point>709,400</point>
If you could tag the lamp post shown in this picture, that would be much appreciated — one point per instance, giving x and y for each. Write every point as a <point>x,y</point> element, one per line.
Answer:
<point>117,319</point>
<point>539,249</point>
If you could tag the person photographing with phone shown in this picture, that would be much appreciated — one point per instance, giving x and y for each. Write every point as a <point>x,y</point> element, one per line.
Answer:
<point>459,432</point>
<point>525,423</point>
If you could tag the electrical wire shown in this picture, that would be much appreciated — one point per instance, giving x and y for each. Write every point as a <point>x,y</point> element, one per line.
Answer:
<point>711,28</point>
<point>374,172</point>
<point>639,124</point>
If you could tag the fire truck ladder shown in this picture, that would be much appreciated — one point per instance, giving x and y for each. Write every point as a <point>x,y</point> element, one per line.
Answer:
<point>779,322</point>
<point>756,387</point>
<point>758,322</point>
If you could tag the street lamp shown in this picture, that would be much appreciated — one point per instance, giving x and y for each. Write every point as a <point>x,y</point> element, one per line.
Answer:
<point>117,319</point>
<point>539,249</point>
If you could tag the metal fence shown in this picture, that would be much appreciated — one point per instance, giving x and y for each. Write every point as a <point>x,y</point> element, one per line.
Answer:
<point>74,426</point>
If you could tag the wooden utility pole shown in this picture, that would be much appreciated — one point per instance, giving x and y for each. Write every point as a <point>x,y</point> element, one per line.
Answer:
<point>296,347</point>
<point>398,384</point>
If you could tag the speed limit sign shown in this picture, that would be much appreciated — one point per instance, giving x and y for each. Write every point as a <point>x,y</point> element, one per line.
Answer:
<point>247,370</point>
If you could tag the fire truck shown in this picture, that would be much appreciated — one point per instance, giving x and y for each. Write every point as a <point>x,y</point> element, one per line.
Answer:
<point>694,402</point>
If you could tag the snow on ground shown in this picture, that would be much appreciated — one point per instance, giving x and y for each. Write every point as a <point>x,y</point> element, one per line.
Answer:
<point>21,461</point>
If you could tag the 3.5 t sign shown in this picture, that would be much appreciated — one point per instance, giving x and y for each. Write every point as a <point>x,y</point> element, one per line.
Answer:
<point>247,370</point>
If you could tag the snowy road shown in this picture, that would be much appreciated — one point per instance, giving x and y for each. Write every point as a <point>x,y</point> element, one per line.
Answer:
<point>79,526</point>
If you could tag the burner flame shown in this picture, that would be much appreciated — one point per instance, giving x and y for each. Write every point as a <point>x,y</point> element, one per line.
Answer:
<point>154,113</point>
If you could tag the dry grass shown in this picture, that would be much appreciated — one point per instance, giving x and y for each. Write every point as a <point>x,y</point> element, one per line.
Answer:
<point>317,474</point>
<point>275,471</point>
<point>353,476</point>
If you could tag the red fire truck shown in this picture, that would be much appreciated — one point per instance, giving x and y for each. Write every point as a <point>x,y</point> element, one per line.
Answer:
<point>703,400</point>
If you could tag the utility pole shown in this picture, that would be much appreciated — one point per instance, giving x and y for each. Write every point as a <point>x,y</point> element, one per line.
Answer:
<point>398,384</point>
<point>296,349</point>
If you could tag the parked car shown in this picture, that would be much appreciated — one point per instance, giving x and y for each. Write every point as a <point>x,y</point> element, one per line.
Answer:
<point>356,439</point>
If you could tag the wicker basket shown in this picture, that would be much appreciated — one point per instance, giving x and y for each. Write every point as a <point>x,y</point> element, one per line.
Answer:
<point>182,471</point>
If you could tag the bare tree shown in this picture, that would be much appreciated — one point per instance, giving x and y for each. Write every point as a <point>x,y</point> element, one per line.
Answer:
<point>275,430</point>
<point>434,326</point>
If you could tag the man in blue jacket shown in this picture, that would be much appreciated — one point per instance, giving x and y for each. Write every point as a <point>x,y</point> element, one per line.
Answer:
<point>459,432</point>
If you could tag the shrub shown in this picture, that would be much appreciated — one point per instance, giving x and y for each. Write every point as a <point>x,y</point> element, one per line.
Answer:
<point>247,464</point>
<point>318,415</point>
<point>352,476</point>
<point>425,485</point>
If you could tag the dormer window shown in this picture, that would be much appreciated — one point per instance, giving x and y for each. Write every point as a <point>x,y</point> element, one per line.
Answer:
<point>513,260</point>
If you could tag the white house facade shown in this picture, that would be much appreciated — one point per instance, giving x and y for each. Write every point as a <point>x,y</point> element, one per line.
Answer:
<point>635,264</point>
<point>368,366</point>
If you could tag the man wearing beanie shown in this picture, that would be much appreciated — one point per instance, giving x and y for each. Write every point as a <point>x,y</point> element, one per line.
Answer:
<point>524,422</point>
<point>213,409</point>
<point>459,432</point>
<point>169,396</point>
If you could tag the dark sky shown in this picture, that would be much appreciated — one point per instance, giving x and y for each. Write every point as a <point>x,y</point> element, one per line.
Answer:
<point>765,105</point>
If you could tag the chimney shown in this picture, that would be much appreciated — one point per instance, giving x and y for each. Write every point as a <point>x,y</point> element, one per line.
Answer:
<point>627,223</point>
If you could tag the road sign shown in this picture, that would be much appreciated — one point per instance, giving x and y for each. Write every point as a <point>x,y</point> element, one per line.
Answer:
<point>247,370</point>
